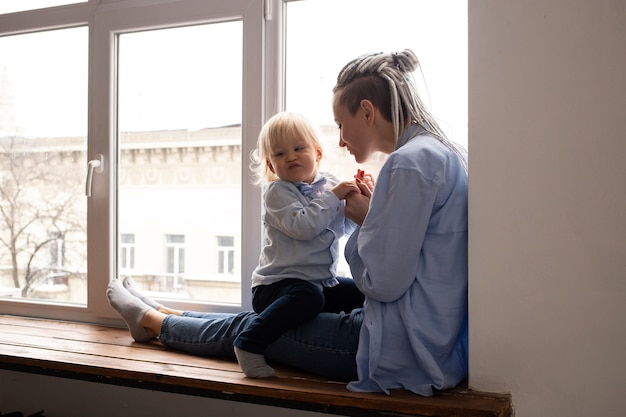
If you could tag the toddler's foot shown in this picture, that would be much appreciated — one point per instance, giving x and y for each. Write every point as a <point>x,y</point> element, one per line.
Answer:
<point>131,308</point>
<point>133,288</point>
<point>253,365</point>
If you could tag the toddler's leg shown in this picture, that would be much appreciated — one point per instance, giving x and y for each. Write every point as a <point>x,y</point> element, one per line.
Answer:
<point>343,297</point>
<point>286,304</point>
<point>253,365</point>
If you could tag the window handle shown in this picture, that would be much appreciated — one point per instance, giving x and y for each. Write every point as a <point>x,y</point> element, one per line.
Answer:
<point>93,165</point>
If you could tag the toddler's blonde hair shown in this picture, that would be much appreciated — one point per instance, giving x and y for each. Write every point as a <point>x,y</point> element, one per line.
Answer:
<point>289,125</point>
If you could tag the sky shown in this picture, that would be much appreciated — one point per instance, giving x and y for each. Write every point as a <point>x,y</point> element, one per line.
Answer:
<point>183,79</point>
<point>49,84</point>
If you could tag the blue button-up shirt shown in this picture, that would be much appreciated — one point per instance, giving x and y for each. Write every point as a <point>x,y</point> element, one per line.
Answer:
<point>409,258</point>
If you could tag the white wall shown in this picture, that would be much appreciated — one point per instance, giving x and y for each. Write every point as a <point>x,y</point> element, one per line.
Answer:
<point>547,107</point>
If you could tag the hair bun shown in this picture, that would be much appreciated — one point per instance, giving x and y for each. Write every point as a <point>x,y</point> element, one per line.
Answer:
<point>405,61</point>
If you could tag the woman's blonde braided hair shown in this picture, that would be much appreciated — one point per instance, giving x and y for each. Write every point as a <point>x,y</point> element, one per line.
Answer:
<point>385,80</point>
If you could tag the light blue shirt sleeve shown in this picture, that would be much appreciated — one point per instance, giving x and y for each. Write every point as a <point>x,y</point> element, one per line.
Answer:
<point>289,211</point>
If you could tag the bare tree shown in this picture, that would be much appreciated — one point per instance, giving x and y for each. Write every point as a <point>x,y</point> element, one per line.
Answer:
<point>39,206</point>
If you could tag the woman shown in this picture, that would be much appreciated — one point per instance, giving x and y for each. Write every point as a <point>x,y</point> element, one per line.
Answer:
<point>409,256</point>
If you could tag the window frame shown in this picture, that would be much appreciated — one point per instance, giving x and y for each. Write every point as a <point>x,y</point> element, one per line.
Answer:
<point>106,19</point>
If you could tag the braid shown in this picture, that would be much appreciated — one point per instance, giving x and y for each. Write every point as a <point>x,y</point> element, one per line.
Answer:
<point>385,79</point>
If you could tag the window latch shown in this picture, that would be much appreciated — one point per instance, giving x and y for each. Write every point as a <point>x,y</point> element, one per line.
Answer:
<point>96,165</point>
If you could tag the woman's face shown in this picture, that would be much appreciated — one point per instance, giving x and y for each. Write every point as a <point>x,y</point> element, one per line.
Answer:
<point>355,133</point>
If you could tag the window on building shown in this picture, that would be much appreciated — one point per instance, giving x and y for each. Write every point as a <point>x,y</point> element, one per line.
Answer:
<point>57,249</point>
<point>127,252</point>
<point>175,254</point>
<point>175,264</point>
<point>225,255</point>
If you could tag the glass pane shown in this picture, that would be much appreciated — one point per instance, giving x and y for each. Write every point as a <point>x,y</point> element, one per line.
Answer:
<point>10,6</point>
<point>227,241</point>
<point>43,137</point>
<point>436,30</point>
<point>180,163</point>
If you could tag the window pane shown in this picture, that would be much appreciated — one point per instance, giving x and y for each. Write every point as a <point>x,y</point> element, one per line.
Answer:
<point>180,164</point>
<point>43,132</point>
<point>127,253</point>
<point>436,30</point>
<point>175,239</point>
<point>10,6</point>
<point>227,241</point>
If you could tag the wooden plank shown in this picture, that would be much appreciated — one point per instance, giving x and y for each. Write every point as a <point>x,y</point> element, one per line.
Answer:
<point>104,354</point>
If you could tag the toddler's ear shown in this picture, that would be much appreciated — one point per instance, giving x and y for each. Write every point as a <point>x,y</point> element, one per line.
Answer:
<point>269,166</point>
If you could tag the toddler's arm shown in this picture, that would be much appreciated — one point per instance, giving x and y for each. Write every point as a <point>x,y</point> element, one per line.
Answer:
<point>344,188</point>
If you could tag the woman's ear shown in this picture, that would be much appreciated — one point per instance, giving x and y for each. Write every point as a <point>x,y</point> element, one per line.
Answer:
<point>368,109</point>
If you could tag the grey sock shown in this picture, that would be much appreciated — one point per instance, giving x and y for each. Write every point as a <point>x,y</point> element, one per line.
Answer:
<point>131,308</point>
<point>253,365</point>
<point>133,288</point>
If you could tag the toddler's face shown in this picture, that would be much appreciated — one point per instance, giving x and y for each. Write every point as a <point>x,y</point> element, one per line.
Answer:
<point>294,160</point>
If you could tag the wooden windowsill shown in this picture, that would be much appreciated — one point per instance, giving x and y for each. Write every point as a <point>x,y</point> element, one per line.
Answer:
<point>108,355</point>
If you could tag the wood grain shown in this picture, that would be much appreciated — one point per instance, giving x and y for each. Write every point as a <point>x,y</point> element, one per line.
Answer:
<point>109,355</point>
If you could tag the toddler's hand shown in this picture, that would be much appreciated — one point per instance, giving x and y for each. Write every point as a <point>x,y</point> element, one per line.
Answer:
<point>342,189</point>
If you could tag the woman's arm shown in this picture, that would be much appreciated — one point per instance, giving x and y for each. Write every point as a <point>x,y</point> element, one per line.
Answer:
<point>385,253</point>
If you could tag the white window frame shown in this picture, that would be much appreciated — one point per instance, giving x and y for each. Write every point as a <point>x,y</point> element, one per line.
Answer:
<point>106,19</point>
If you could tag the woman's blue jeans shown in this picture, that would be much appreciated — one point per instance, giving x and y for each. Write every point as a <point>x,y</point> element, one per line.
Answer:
<point>325,345</point>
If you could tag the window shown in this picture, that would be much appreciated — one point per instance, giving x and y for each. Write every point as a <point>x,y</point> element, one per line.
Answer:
<point>179,133</point>
<point>57,249</point>
<point>127,252</point>
<point>162,102</point>
<point>175,254</point>
<point>175,263</point>
<point>43,142</point>
<point>225,255</point>
<point>439,41</point>
<point>167,150</point>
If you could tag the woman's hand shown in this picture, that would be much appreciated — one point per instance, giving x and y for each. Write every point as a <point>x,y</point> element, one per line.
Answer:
<point>367,179</point>
<point>358,204</point>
